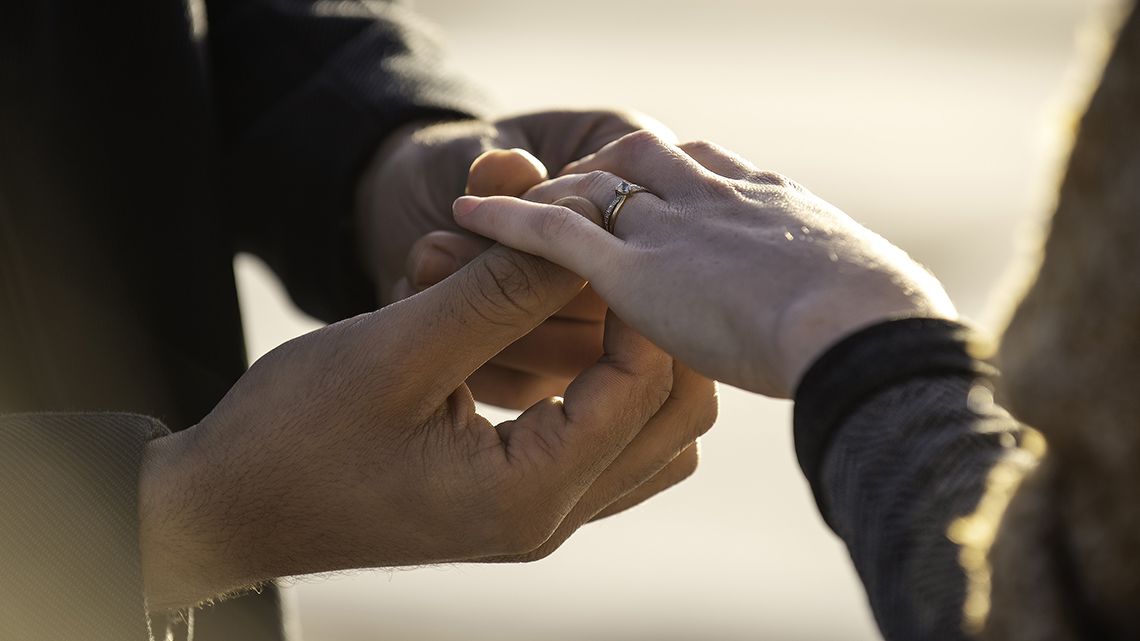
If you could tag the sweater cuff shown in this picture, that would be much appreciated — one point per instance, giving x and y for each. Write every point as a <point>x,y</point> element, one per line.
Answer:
<point>69,530</point>
<point>866,363</point>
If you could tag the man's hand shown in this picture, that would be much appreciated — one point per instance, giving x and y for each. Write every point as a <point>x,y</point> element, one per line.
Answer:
<point>410,240</point>
<point>358,445</point>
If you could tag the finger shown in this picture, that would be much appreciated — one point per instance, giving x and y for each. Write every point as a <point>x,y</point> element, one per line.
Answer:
<point>646,159</point>
<point>603,410</point>
<point>676,471</point>
<point>601,189</point>
<point>448,331</point>
<point>651,462</point>
<point>719,160</point>
<point>689,412</point>
<point>504,172</point>
<point>559,137</point>
<point>512,389</point>
<point>563,233</point>
<point>439,254</point>
<point>673,473</point>
<point>560,348</point>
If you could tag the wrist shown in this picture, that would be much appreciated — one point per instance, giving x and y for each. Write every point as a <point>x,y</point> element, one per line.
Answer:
<point>181,565</point>
<point>825,316</point>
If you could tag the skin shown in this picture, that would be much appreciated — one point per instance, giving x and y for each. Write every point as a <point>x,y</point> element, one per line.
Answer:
<point>410,240</point>
<point>740,273</point>
<point>359,445</point>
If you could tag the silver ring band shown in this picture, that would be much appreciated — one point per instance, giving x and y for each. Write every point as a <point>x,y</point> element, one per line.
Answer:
<point>621,193</point>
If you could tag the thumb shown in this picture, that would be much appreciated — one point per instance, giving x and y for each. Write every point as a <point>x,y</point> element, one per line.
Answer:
<point>464,321</point>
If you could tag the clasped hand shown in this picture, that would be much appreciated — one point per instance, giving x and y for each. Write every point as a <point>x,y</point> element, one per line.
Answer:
<point>359,445</point>
<point>409,240</point>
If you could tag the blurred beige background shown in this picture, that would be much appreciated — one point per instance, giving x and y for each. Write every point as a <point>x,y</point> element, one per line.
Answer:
<point>934,122</point>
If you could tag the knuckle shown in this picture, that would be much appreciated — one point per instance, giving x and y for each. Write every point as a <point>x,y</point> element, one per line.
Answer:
<point>551,226</point>
<point>505,281</point>
<point>720,190</point>
<point>543,446</point>
<point>632,147</point>
<point>641,141</point>
<point>700,146</point>
<point>598,181</point>
<point>766,177</point>
<point>651,375</point>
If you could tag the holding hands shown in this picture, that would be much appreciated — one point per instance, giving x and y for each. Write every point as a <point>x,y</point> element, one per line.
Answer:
<point>740,273</point>
<point>359,445</point>
<point>411,242</point>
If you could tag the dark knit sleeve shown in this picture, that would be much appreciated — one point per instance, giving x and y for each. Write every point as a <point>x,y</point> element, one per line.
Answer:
<point>896,431</point>
<point>305,92</point>
<point>69,550</point>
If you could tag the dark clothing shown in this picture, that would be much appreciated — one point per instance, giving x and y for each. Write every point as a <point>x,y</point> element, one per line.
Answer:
<point>896,431</point>
<point>141,146</point>
<point>69,552</point>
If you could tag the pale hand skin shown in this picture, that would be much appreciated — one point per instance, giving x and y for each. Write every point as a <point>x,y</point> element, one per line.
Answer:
<point>410,241</point>
<point>740,273</point>
<point>358,445</point>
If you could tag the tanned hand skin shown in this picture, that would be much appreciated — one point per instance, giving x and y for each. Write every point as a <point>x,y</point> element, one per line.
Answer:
<point>359,445</point>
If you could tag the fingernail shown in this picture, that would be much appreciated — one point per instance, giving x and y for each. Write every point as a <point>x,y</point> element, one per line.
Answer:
<point>466,204</point>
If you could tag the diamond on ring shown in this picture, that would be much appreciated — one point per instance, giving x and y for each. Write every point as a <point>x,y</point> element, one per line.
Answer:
<point>621,193</point>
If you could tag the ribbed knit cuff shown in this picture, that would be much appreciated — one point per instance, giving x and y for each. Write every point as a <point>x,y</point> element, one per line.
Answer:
<point>865,363</point>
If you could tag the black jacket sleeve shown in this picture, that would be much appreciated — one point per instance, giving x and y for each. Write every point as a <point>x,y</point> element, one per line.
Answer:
<point>305,91</point>
<point>897,431</point>
<point>69,550</point>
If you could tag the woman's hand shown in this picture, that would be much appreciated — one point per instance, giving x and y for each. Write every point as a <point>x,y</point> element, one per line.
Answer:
<point>740,273</point>
<point>409,240</point>
<point>358,445</point>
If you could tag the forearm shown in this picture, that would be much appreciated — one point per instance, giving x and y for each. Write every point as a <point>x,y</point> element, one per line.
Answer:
<point>898,433</point>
